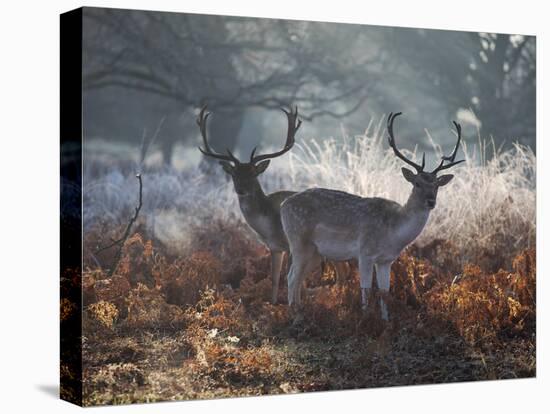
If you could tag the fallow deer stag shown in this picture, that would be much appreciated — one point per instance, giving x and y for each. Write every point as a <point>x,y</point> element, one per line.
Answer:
<point>341,226</point>
<point>261,211</point>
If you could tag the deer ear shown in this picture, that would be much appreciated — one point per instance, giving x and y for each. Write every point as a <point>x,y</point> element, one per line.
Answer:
<point>409,175</point>
<point>227,167</point>
<point>444,179</point>
<point>261,167</point>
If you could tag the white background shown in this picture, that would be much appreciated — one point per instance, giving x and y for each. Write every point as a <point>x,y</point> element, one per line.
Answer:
<point>29,193</point>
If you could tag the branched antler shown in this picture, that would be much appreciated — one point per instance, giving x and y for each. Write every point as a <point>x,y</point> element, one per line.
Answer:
<point>208,151</point>
<point>451,158</point>
<point>420,168</point>
<point>391,141</point>
<point>293,125</point>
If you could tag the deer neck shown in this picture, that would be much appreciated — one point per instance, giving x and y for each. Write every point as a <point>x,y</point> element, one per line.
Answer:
<point>253,202</point>
<point>414,216</point>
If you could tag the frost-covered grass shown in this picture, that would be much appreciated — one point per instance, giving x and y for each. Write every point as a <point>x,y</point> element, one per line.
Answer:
<point>186,313</point>
<point>490,204</point>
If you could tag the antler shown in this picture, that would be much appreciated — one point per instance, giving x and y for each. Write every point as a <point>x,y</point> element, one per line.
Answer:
<point>208,151</point>
<point>391,141</point>
<point>293,126</point>
<point>450,158</point>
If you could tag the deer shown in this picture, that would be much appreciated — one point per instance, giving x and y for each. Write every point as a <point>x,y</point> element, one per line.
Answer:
<point>261,211</point>
<point>342,226</point>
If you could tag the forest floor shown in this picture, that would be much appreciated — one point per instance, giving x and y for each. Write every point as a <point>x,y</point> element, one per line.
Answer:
<point>199,325</point>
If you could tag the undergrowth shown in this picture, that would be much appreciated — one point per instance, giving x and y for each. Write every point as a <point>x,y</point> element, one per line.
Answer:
<point>199,325</point>
<point>186,313</point>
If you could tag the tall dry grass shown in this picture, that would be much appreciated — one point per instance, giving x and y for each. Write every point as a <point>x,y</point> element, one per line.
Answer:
<point>489,206</point>
<point>187,315</point>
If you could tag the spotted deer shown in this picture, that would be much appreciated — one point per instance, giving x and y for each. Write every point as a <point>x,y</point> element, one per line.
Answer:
<point>341,226</point>
<point>260,210</point>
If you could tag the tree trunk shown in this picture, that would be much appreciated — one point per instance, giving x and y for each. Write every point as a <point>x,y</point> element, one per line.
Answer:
<point>167,149</point>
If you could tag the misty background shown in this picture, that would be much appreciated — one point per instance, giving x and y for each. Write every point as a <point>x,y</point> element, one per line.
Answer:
<point>147,74</point>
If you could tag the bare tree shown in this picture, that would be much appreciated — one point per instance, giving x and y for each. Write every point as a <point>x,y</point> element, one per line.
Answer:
<point>504,72</point>
<point>493,74</point>
<point>231,63</point>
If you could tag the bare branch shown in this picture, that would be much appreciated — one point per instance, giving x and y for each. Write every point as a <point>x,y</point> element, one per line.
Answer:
<point>120,242</point>
<point>146,143</point>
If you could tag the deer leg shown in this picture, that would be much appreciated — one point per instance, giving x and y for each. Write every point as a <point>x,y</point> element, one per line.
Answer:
<point>276,265</point>
<point>383,279</point>
<point>304,262</point>
<point>289,260</point>
<point>365,272</point>
<point>293,284</point>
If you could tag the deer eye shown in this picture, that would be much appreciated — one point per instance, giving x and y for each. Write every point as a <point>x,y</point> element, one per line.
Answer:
<point>417,185</point>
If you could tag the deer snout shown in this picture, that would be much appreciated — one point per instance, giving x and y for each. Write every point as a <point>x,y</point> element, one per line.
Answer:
<point>430,202</point>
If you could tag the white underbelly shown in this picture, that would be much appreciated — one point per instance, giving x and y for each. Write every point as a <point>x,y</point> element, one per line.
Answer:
<point>335,244</point>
